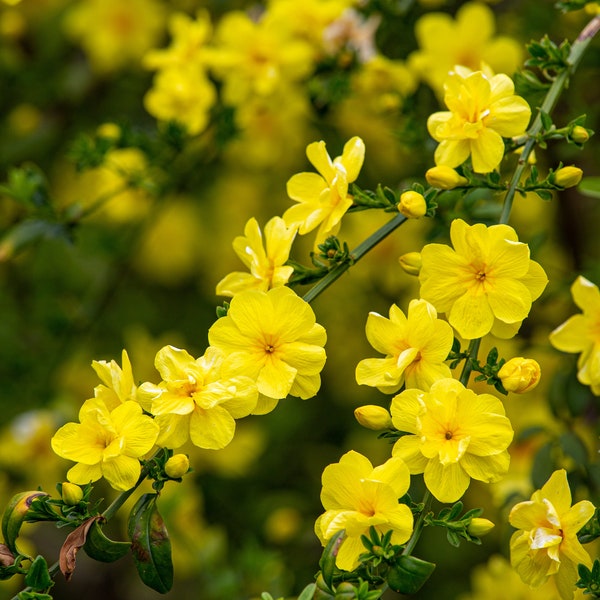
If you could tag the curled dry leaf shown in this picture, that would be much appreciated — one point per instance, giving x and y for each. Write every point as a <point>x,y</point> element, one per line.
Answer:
<point>6,556</point>
<point>74,541</point>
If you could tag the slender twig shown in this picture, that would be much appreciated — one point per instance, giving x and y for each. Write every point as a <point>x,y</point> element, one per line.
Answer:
<point>356,254</point>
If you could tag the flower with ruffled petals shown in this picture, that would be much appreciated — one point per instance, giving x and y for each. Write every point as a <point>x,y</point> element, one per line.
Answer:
<point>196,400</point>
<point>323,199</point>
<point>272,337</point>
<point>487,283</point>
<point>581,333</point>
<point>546,543</point>
<point>454,436</point>
<point>357,496</point>
<point>266,262</point>
<point>106,443</point>
<point>415,347</point>
<point>482,110</point>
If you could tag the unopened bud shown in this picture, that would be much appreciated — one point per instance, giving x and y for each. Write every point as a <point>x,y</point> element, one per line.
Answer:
<point>110,131</point>
<point>520,375</point>
<point>580,134</point>
<point>411,263</point>
<point>479,527</point>
<point>412,205</point>
<point>177,466</point>
<point>373,417</point>
<point>71,493</point>
<point>568,176</point>
<point>444,178</point>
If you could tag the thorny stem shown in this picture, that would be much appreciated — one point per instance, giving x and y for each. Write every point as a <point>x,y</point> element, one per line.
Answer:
<point>559,84</point>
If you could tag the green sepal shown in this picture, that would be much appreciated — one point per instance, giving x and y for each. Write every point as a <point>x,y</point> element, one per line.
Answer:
<point>103,549</point>
<point>150,544</point>
<point>409,574</point>
<point>38,577</point>
<point>308,592</point>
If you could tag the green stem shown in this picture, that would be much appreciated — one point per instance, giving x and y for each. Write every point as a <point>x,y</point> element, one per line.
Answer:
<point>356,254</point>
<point>467,368</point>
<point>414,538</point>
<point>559,84</point>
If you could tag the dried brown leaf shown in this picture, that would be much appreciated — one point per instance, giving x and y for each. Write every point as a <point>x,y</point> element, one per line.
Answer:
<point>74,541</point>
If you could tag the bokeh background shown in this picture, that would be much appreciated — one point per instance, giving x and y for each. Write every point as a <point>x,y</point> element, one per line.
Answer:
<point>136,140</point>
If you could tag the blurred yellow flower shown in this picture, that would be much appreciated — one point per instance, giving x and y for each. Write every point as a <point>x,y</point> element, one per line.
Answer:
<point>323,199</point>
<point>483,109</point>
<point>106,443</point>
<point>415,346</point>
<point>183,94</point>
<point>189,43</point>
<point>266,262</point>
<point>196,400</point>
<point>357,496</point>
<point>272,337</point>
<point>468,41</point>
<point>455,435</point>
<point>118,384</point>
<point>115,34</point>
<point>546,543</point>
<point>581,333</point>
<point>497,580</point>
<point>257,57</point>
<point>487,283</point>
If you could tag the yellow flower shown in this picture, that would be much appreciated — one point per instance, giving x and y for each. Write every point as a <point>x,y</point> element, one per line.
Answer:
<point>323,199</point>
<point>468,41</point>
<point>196,400</point>
<point>546,543</point>
<point>581,333</point>
<point>106,443</point>
<point>266,264</point>
<point>357,496</point>
<point>520,375</point>
<point>487,283</point>
<point>455,435</point>
<point>117,382</point>
<point>415,347</point>
<point>113,33</point>
<point>183,94</point>
<point>257,57</point>
<point>272,337</point>
<point>483,109</point>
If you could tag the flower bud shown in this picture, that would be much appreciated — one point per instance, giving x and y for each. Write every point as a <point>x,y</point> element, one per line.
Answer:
<point>568,176</point>
<point>110,131</point>
<point>580,134</point>
<point>444,178</point>
<point>520,375</point>
<point>177,466</point>
<point>411,263</point>
<point>71,493</point>
<point>373,417</point>
<point>412,205</point>
<point>479,527</point>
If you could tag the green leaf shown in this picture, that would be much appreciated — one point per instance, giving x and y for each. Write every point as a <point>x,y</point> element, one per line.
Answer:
<point>101,548</point>
<point>409,574</point>
<point>308,592</point>
<point>590,186</point>
<point>150,544</point>
<point>327,562</point>
<point>38,577</point>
